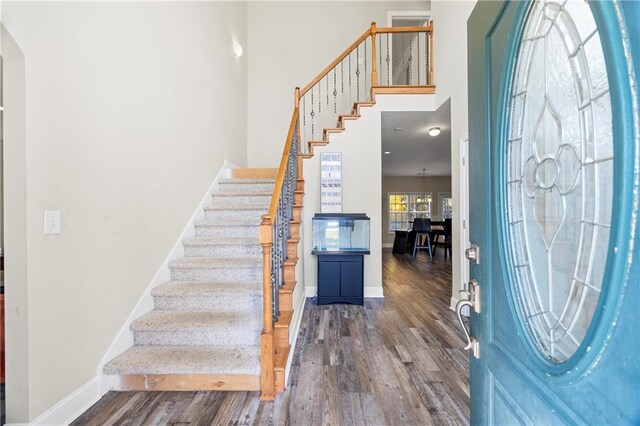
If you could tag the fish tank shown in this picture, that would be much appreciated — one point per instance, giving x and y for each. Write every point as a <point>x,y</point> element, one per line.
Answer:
<point>340,233</point>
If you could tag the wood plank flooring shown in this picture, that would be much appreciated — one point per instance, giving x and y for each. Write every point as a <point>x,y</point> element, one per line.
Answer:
<point>395,361</point>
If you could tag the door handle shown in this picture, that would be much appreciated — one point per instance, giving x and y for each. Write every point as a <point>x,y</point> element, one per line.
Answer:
<point>472,342</point>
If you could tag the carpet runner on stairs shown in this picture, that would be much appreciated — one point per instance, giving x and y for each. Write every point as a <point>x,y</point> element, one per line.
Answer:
<point>207,320</point>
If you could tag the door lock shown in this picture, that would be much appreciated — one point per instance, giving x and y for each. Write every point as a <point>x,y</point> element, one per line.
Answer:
<point>473,254</point>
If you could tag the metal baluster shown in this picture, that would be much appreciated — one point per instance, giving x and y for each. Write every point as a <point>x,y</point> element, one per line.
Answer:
<point>335,93</point>
<point>365,65</point>
<point>410,60</point>
<point>342,76</point>
<point>404,41</point>
<point>313,114</point>
<point>350,96</point>
<point>358,73</point>
<point>304,116</point>
<point>274,269</point>
<point>319,98</point>
<point>419,58</point>
<point>380,59</point>
<point>388,60</point>
<point>327,80</point>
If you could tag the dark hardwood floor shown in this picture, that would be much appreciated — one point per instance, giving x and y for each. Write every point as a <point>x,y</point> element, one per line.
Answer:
<point>395,361</point>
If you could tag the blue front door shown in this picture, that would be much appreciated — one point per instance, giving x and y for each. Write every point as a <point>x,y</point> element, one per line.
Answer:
<point>555,195</point>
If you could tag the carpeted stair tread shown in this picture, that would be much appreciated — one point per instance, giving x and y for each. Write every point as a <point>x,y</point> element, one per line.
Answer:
<point>221,241</point>
<point>227,223</point>
<point>248,181</point>
<point>208,318</point>
<point>206,288</point>
<point>197,320</point>
<point>186,360</point>
<point>214,262</point>
<point>244,194</point>
<point>243,207</point>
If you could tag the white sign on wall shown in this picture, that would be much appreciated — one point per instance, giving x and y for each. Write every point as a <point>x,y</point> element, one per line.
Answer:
<point>331,182</point>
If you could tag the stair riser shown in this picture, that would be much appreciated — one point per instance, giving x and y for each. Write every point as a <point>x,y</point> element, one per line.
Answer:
<point>245,187</point>
<point>228,231</point>
<point>221,215</point>
<point>230,273</point>
<point>223,251</point>
<point>217,337</point>
<point>243,200</point>
<point>223,303</point>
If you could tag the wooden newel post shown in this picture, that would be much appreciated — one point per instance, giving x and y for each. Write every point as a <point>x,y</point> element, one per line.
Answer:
<point>267,348</point>
<point>296,97</point>
<point>374,68</point>
<point>430,34</point>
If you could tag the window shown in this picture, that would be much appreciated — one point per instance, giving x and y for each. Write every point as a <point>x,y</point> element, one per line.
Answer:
<point>446,205</point>
<point>404,207</point>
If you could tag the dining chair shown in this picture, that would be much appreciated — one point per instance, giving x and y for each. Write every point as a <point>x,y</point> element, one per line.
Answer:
<point>422,228</point>
<point>446,234</point>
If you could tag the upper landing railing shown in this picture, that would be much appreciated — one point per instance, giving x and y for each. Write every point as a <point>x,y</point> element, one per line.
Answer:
<point>381,60</point>
<point>380,57</point>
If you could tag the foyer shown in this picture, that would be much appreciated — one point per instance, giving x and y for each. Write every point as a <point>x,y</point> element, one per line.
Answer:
<point>396,360</point>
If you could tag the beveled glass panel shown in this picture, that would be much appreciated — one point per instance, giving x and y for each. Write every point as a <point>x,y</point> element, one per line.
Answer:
<point>560,174</point>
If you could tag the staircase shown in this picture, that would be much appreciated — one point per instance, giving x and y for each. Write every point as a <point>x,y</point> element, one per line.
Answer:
<point>204,330</point>
<point>223,322</point>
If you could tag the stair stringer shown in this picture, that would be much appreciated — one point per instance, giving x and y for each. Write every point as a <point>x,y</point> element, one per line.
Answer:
<point>124,339</point>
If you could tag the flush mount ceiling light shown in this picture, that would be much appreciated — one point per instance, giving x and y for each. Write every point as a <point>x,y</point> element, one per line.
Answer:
<point>434,131</point>
<point>387,152</point>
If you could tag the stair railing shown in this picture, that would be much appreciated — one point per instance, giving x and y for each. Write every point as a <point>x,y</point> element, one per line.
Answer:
<point>275,231</point>
<point>380,57</point>
<point>367,66</point>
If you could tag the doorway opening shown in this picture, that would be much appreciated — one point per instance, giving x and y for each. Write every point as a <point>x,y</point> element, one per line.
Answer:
<point>417,259</point>
<point>405,48</point>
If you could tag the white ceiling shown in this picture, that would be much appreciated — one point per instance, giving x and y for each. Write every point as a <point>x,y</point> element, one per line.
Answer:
<point>412,149</point>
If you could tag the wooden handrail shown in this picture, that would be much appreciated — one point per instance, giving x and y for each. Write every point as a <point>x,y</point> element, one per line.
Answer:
<point>369,32</point>
<point>387,30</point>
<point>282,168</point>
<point>336,61</point>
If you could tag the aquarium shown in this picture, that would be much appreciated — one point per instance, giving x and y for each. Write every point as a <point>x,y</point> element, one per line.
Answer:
<point>340,233</point>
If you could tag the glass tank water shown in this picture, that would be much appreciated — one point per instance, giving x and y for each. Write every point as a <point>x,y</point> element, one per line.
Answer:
<point>340,233</point>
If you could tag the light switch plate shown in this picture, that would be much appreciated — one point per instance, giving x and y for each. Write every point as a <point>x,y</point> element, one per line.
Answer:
<point>51,222</point>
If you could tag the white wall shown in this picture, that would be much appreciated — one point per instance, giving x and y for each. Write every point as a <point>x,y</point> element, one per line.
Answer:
<point>450,62</point>
<point>289,44</point>
<point>361,148</point>
<point>15,239</point>
<point>131,109</point>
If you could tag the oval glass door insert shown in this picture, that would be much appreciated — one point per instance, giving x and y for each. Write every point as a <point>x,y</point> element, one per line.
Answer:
<point>560,174</point>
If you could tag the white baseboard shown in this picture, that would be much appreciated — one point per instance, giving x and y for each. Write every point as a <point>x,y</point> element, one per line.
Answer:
<point>368,292</point>
<point>373,292</point>
<point>387,245</point>
<point>124,338</point>
<point>71,407</point>
<point>453,303</point>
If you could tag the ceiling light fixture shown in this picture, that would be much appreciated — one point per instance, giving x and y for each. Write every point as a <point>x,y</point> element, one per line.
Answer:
<point>434,131</point>
<point>387,152</point>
